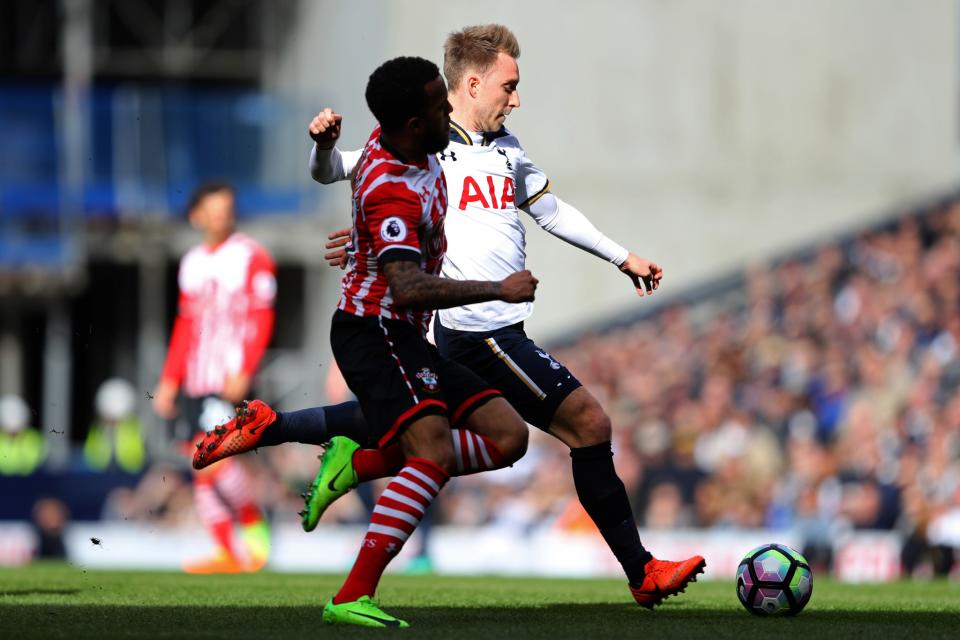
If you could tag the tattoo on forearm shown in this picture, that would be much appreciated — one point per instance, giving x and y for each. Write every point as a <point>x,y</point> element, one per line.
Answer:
<point>414,289</point>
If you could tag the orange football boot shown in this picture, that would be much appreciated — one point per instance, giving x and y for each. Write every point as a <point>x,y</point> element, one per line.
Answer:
<point>237,436</point>
<point>220,562</point>
<point>666,578</point>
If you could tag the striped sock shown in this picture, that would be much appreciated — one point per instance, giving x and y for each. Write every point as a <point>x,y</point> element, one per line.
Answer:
<point>474,453</point>
<point>234,485</point>
<point>395,516</point>
<point>213,513</point>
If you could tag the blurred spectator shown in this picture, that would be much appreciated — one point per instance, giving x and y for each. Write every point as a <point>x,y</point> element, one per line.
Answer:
<point>22,448</point>
<point>116,437</point>
<point>50,517</point>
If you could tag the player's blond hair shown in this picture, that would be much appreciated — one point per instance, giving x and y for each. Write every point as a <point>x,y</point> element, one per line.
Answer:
<point>476,48</point>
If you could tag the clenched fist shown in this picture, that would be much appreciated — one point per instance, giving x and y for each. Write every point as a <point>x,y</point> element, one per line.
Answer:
<point>325,128</point>
<point>518,287</point>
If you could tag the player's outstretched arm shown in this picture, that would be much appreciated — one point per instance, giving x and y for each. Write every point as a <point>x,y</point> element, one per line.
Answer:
<point>414,289</point>
<point>327,163</point>
<point>646,275</point>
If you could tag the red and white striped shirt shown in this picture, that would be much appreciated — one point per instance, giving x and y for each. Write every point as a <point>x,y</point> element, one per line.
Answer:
<point>225,316</point>
<point>397,207</point>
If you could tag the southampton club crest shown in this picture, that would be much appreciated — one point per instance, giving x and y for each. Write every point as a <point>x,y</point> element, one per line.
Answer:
<point>429,379</point>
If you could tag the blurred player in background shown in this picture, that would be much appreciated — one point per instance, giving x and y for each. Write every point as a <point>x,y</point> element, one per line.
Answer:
<point>227,285</point>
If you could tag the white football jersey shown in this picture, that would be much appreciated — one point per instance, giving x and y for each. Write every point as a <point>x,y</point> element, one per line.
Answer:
<point>489,179</point>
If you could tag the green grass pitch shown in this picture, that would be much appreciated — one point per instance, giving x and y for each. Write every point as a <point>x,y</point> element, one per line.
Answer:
<point>58,601</point>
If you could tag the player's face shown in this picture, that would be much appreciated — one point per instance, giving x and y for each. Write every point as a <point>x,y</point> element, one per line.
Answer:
<point>497,93</point>
<point>215,214</point>
<point>435,123</point>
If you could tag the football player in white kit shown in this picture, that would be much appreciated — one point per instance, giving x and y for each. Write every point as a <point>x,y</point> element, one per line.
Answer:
<point>490,181</point>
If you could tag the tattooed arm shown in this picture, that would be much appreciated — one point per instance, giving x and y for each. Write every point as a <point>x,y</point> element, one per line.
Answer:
<point>412,288</point>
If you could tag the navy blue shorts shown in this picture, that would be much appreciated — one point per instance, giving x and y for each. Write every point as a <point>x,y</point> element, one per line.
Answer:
<point>527,376</point>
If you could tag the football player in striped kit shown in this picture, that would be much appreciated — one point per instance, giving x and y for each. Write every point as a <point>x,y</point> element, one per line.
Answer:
<point>490,181</point>
<point>411,395</point>
<point>227,286</point>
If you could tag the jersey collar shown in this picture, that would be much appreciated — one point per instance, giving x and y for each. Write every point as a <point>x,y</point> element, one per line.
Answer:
<point>483,138</point>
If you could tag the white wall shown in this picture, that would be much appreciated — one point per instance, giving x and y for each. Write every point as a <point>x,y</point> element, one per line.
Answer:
<point>702,134</point>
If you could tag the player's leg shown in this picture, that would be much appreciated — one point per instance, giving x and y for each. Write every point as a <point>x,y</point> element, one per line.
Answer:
<point>549,397</point>
<point>215,514</point>
<point>490,434</point>
<point>232,483</point>
<point>256,424</point>
<point>582,424</point>
<point>216,517</point>
<point>428,452</point>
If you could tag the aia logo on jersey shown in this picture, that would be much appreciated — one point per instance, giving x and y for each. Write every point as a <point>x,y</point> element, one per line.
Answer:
<point>429,380</point>
<point>499,198</point>
<point>393,229</point>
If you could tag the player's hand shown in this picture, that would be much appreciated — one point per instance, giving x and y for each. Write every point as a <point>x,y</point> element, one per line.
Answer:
<point>518,287</point>
<point>165,399</point>
<point>236,388</point>
<point>325,128</point>
<point>646,275</point>
<point>340,242</point>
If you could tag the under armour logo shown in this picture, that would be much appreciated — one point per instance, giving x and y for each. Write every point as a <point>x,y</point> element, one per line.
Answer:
<point>453,155</point>
<point>504,154</point>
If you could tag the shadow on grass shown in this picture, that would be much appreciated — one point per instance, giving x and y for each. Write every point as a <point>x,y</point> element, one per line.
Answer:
<point>551,622</point>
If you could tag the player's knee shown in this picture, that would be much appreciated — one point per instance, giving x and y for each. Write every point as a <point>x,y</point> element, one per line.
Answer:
<point>430,439</point>
<point>441,453</point>
<point>597,426</point>
<point>589,424</point>
<point>514,442</point>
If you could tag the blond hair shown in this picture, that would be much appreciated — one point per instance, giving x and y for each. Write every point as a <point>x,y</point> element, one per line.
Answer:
<point>476,48</point>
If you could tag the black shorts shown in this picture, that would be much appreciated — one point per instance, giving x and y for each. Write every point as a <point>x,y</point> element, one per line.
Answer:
<point>399,377</point>
<point>200,414</point>
<point>529,378</point>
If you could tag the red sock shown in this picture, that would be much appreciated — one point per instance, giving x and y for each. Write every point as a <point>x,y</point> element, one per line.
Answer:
<point>396,515</point>
<point>222,532</point>
<point>213,512</point>
<point>475,453</point>
<point>371,464</point>
<point>249,513</point>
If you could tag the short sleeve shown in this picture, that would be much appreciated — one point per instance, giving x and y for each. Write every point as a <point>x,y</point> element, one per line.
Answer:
<point>262,280</point>
<point>392,214</point>
<point>532,183</point>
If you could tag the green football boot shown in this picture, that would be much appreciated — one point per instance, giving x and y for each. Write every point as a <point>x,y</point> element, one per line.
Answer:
<point>335,478</point>
<point>363,612</point>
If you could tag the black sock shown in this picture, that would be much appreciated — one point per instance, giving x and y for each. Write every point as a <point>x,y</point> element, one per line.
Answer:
<point>317,425</point>
<point>604,498</point>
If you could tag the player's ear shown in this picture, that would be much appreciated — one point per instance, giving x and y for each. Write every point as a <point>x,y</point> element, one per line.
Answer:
<point>473,85</point>
<point>415,125</point>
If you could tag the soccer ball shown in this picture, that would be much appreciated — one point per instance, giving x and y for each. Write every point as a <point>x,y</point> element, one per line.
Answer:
<point>774,579</point>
